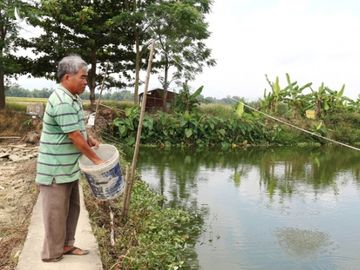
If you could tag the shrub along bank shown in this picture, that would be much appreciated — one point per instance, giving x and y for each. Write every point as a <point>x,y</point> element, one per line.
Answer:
<point>334,116</point>
<point>156,236</point>
<point>205,130</point>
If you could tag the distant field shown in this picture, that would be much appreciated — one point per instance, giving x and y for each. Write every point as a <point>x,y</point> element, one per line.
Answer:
<point>25,100</point>
<point>20,103</point>
<point>215,109</point>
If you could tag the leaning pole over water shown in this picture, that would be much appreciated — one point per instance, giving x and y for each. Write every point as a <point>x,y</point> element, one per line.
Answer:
<point>130,173</point>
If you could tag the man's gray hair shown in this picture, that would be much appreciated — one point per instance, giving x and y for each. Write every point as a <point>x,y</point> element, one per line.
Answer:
<point>70,65</point>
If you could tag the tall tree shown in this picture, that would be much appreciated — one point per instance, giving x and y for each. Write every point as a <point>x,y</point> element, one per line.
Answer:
<point>9,63</point>
<point>87,28</point>
<point>180,29</point>
<point>137,20</point>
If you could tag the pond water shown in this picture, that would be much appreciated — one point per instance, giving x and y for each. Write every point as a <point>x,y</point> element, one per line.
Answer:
<point>266,208</point>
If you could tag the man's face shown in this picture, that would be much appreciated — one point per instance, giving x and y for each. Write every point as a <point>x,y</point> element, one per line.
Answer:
<point>77,82</point>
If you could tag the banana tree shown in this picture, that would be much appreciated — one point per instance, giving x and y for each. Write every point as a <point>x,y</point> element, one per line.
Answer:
<point>185,101</point>
<point>337,98</point>
<point>291,94</point>
<point>294,97</point>
<point>271,99</point>
<point>325,100</point>
<point>320,100</point>
<point>353,105</point>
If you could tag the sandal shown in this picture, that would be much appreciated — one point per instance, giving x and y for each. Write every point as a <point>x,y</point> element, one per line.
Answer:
<point>53,259</point>
<point>76,251</point>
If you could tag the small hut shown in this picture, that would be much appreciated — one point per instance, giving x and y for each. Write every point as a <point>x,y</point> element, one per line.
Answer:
<point>155,100</point>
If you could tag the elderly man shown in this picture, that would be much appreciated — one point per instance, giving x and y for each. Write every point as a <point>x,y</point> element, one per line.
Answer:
<point>63,140</point>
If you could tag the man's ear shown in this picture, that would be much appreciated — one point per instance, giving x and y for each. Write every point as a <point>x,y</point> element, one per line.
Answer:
<point>66,77</point>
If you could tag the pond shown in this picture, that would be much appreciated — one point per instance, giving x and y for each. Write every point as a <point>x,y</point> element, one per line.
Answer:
<point>266,208</point>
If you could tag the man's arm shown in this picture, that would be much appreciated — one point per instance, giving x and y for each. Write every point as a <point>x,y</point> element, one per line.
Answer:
<point>83,146</point>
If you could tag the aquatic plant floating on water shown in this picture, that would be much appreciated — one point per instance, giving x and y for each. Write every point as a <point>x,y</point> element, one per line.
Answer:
<point>303,243</point>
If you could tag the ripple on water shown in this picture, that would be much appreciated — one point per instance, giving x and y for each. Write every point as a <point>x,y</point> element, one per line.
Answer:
<point>304,244</point>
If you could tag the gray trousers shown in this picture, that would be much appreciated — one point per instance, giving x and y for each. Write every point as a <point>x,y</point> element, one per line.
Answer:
<point>61,208</point>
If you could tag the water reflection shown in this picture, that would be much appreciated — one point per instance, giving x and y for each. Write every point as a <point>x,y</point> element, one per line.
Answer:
<point>281,170</point>
<point>279,208</point>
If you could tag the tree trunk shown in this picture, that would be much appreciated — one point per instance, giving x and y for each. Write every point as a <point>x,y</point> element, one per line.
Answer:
<point>166,84</point>
<point>3,31</point>
<point>318,108</point>
<point>137,59</point>
<point>137,68</point>
<point>92,79</point>
<point>2,90</point>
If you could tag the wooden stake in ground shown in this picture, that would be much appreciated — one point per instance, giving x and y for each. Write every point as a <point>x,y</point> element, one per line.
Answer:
<point>131,172</point>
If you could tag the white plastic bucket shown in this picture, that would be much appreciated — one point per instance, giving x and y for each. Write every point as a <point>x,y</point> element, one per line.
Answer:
<point>105,179</point>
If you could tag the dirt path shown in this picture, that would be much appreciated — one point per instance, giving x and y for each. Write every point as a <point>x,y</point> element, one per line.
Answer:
<point>17,197</point>
<point>18,191</point>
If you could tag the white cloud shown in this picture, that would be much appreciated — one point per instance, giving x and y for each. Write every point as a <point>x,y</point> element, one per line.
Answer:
<point>288,36</point>
<point>251,38</point>
<point>34,83</point>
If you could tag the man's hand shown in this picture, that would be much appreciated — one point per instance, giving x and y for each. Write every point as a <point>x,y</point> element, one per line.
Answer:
<point>84,146</point>
<point>93,142</point>
<point>97,162</point>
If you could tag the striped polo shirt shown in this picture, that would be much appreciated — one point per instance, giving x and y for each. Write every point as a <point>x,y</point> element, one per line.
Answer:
<point>58,156</point>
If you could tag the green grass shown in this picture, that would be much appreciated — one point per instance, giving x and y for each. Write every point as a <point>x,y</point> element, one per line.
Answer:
<point>116,104</point>
<point>219,110</point>
<point>18,107</point>
<point>25,100</point>
<point>20,103</point>
<point>119,104</point>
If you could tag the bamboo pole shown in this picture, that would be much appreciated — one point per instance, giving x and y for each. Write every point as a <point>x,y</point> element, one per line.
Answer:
<point>127,177</point>
<point>301,129</point>
<point>131,172</point>
<point>112,230</point>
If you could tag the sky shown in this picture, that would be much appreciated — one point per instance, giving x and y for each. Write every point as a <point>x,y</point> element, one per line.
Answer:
<point>312,40</point>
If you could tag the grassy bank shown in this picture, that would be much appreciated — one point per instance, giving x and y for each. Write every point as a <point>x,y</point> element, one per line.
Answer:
<point>156,236</point>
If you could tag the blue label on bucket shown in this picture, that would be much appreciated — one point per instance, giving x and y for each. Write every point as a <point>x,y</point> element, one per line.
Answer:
<point>106,185</point>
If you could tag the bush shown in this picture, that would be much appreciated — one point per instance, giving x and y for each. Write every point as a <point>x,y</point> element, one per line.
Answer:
<point>351,118</point>
<point>188,129</point>
<point>18,107</point>
<point>155,236</point>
